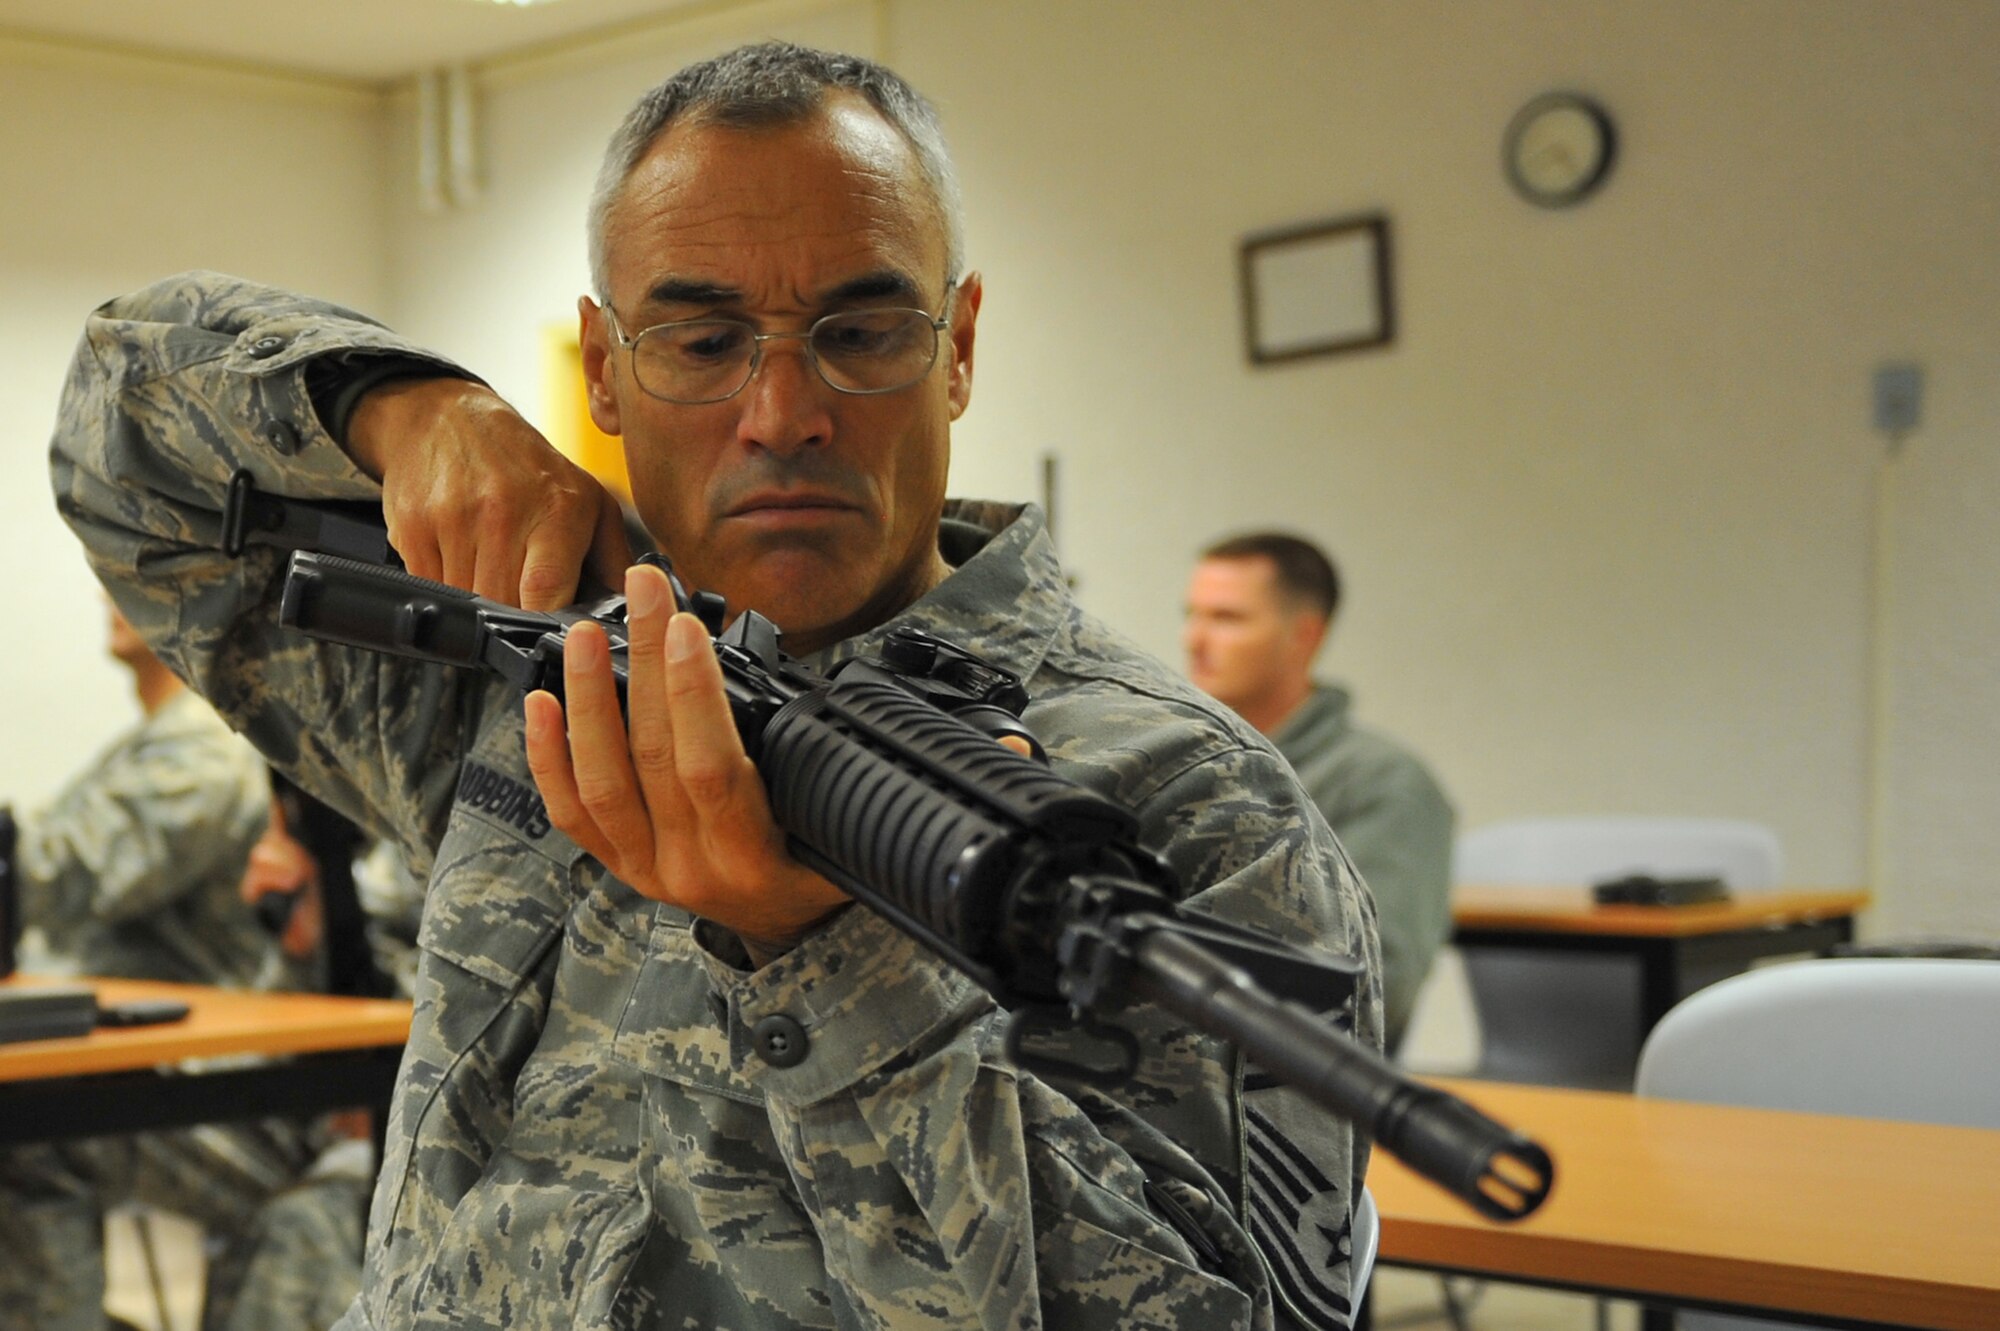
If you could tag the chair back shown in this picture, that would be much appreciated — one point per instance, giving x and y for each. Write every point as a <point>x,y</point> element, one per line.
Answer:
<point>1910,1039</point>
<point>1901,1038</point>
<point>1573,1019</point>
<point>1560,851</point>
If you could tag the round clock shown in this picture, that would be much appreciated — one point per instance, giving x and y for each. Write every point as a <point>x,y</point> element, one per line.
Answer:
<point>1558,149</point>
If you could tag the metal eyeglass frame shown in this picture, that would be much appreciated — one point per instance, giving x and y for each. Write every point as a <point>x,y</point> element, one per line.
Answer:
<point>939,323</point>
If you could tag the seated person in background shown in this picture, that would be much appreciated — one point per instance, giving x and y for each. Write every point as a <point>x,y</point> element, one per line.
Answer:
<point>1258,608</point>
<point>133,872</point>
<point>590,1129</point>
<point>298,1264</point>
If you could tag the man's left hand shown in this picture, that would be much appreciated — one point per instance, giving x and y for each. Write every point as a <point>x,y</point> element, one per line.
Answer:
<point>670,802</point>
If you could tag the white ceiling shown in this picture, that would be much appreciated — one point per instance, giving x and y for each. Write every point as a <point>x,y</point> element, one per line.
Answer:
<point>371,40</point>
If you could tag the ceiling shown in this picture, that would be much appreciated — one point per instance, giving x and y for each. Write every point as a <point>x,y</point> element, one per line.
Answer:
<point>367,40</point>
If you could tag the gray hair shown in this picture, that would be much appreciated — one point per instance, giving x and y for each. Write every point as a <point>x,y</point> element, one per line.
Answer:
<point>768,85</point>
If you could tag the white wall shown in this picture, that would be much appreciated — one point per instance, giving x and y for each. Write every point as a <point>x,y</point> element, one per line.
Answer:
<point>120,171</point>
<point>1606,505</point>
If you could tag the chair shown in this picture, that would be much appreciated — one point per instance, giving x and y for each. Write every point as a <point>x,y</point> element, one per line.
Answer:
<point>1915,1040</point>
<point>1573,1020</point>
<point>140,1216</point>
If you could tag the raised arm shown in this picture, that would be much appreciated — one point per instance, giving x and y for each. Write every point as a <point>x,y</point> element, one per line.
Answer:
<point>177,387</point>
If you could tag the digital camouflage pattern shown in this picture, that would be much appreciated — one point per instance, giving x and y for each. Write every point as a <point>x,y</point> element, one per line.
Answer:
<point>584,1133</point>
<point>132,871</point>
<point>53,1196</point>
<point>276,1274</point>
<point>133,868</point>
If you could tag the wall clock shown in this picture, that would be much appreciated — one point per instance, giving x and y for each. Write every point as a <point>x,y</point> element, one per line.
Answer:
<point>1558,149</point>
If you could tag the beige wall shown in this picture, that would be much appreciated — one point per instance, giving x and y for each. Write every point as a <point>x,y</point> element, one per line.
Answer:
<point>118,171</point>
<point>1607,507</point>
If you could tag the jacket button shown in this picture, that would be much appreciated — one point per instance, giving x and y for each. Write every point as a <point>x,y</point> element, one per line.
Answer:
<point>281,435</point>
<point>779,1041</point>
<point>267,345</point>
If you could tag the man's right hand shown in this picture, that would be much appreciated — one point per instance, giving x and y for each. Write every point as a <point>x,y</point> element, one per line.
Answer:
<point>474,496</point>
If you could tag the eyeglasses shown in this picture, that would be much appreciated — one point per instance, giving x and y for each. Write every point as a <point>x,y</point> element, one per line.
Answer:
<point>856,351</point>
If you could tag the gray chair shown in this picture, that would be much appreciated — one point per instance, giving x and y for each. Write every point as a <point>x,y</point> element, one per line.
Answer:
<point>1573,1020</point>
<point>1915,1040</point>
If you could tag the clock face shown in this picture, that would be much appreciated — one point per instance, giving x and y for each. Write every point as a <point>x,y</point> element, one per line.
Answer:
<point>1558,149</point>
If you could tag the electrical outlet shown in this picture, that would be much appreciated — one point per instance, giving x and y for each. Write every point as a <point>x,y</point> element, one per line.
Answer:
<point>1899,396</point>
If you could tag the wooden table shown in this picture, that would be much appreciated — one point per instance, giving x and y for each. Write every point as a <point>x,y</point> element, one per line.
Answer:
<point>1679,948</point>
<point>313,1052</point>
<point>1838,1221</point>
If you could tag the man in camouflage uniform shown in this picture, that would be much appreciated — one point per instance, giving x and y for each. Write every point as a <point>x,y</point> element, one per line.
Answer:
<point>659,1075</point>
<point>133,871</point>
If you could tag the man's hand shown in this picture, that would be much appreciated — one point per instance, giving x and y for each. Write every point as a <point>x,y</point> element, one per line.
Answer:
<point>474,496</point>
<point>672,804</point>
<point>279,863</point>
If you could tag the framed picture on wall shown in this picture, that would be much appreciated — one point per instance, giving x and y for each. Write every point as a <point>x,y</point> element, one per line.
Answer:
<point>1317,289</point>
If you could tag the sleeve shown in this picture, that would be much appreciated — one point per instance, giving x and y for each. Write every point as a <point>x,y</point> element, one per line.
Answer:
<point>161,818</point>
<point>173,390</point>
<point>1397,826</point>
<point>946,1183</point>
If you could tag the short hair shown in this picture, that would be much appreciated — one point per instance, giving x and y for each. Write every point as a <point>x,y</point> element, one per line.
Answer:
<point>770,85</point>
<point>1306,574</point>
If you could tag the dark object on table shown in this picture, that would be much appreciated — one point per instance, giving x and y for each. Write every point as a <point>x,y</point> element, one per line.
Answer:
<point>1645,890</point>
<point>47,1012</point>
<point>142,1012</point>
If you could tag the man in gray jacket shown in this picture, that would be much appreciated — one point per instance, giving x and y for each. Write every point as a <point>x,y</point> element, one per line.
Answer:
<point>660,1074</point>
<point>1258,609</point>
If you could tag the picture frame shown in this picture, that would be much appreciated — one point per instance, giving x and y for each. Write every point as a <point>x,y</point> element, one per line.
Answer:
<point>1318,289</point>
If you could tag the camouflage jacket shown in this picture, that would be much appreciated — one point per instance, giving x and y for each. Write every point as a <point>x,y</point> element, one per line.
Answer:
<point>585,1132</point>
<point>133,869</point>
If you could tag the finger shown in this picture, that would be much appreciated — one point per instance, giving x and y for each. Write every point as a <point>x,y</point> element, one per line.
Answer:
<point>306,927</point>
<point>419,552</point>
<point>554,556</point>
<point>1018,744</point>
<point>600,753</point>
<point>610,553</point>
<point>549,764</point>
<point>497,571</point>
<point>649,604</point>
<point>708,753</point>
<point>460,563</point>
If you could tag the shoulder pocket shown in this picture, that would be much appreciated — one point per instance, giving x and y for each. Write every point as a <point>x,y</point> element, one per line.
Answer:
<point>503,879</point>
